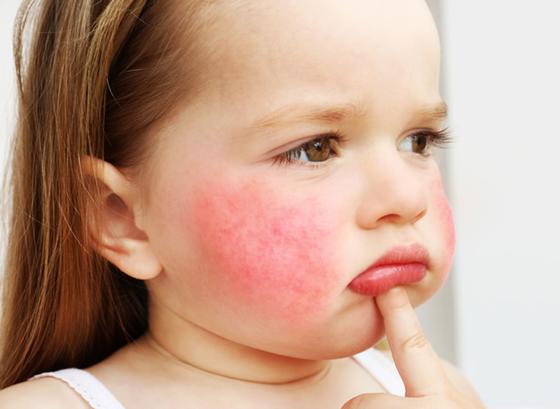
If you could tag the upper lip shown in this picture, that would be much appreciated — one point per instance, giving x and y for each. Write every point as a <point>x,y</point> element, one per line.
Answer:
<point>409,254</point>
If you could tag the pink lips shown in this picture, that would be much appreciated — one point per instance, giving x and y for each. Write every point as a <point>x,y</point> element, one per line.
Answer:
<point>400,265</point>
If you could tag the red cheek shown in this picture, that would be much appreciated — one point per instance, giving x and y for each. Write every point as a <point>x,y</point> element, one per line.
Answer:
<point>267,251</point>
<point>445,216</point>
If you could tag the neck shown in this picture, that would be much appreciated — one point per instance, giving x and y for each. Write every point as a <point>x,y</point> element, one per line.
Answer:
<point>197,350</point>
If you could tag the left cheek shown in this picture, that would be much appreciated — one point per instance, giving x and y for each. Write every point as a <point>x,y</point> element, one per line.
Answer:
<point>445,226</point>
<point>268,253</point>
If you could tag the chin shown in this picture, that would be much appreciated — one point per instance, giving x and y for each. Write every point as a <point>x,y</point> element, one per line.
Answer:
<point>343,348</point>
<point>357,330</point>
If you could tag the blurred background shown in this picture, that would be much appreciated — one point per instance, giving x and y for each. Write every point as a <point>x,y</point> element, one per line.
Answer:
<point>496,318</point>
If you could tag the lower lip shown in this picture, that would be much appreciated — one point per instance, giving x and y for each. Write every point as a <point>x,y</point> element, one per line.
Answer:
<point>380,279</point>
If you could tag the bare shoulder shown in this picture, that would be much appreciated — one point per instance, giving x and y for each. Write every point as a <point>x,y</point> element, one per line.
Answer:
<point>457,378</point>
<point>44,393</point>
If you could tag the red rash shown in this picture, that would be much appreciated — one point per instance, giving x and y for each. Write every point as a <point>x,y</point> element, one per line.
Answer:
<point>269,253</point>
<point>445,216</point>
<point>274,253</point>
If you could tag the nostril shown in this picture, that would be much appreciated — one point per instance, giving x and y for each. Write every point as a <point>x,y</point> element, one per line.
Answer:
<point>420,215</point>
<point>390,218</point>
<point>400,218</point>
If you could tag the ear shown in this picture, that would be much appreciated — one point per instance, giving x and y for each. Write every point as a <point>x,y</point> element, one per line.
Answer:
<point>113,223</point>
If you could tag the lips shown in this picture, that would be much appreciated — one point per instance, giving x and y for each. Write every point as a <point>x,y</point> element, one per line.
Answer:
<point>400,265</point>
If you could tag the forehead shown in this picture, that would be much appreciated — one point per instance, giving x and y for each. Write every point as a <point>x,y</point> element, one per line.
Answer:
<point>258,57</point>
<point>271,47</point>
<point>377,59</point>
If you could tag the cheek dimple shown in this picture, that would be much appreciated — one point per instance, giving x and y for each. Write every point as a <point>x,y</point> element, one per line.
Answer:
<point>268,253</point>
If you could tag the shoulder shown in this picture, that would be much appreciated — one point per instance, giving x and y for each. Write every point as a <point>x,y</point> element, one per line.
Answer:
<point>457,378</point>
<point>44,393</point>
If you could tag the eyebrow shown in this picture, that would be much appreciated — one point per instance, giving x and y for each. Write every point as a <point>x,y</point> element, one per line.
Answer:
<point>303,113</point>
<point>296,113</point>
<point>440,111</point>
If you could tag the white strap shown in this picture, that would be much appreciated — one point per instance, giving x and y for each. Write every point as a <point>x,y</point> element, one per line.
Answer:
<point>383,369</point>
<point>87,386</point>
<point>99,397</point>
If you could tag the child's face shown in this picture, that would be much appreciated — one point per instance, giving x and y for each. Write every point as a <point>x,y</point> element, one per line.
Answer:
<point>259,252</point>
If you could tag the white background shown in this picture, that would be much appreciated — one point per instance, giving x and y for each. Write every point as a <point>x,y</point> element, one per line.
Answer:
<point>502,68</point>
<point>497,317</point>
<point>7,96</point>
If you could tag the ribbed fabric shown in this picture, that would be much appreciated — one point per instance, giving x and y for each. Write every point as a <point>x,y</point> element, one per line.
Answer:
<point>99,397</point>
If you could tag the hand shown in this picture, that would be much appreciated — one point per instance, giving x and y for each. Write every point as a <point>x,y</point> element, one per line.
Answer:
<point>422,372</point>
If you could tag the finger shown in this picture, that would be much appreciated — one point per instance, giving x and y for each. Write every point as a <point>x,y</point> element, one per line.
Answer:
<point>385,401</point>
<point>419,366</point>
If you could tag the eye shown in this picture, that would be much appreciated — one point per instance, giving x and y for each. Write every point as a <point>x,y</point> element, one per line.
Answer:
<point>422,142</point>
<point>313,153</point>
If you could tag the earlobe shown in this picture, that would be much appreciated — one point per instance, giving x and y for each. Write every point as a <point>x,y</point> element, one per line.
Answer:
<point>112,222</point>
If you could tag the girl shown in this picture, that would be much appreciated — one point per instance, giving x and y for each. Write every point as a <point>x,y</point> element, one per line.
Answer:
<point>212,200</point>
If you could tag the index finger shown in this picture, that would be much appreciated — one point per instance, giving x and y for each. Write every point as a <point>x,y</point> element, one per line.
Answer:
<point>419,366</point>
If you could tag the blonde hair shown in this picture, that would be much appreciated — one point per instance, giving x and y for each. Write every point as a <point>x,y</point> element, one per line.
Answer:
<point>96,76</point>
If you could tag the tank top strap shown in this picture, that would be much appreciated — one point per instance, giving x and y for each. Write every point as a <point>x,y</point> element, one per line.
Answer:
<point>99,397</point>
<point>383,369</point>
<point>87,386</point>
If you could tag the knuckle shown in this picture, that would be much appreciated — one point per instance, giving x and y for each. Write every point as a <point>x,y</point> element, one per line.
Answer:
<point>363,401</point>
<point>416,341</point>
<point>355,403</point>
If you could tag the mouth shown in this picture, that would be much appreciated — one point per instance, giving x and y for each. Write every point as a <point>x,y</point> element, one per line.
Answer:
<point>400,265</point>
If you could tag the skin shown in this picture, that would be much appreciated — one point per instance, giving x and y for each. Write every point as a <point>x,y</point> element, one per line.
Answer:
<point>240,238</point>
<point>427,384</point>
<point>248,261</point>
<point>272,254</point>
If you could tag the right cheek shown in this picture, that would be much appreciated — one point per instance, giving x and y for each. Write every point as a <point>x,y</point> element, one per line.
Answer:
<point>272,254</point>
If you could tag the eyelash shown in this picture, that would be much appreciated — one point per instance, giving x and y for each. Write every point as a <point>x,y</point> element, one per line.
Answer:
<point>286,158</point>
<point>436,138</point>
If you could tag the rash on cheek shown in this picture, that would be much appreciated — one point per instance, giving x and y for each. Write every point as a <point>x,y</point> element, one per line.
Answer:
<point>445,215</point>
<point>267,251</point>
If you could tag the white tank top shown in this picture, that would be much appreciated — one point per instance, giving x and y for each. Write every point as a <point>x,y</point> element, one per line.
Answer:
<point>99,397</point>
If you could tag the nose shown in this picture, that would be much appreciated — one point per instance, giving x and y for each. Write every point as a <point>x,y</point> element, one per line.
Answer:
<point>395,190</point>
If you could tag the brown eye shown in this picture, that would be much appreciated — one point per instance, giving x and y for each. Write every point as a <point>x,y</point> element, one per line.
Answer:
<point>317,150</point>
<point>422,142</point>
<point>419,143</point>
